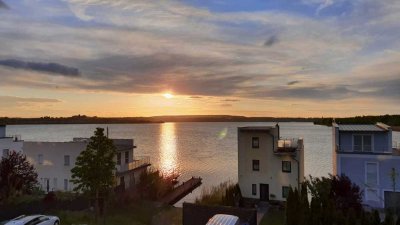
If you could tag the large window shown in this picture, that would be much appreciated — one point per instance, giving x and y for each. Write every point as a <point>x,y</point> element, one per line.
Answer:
<point>285,191</point>
<point>286,166</point>
<point>362,143</point>
<point>254,189</point>
<point>371,174</point>
<point>255,142</point>
<point>256,165</point>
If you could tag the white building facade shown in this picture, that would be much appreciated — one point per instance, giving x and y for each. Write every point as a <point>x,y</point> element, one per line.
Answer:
<point>54,161</point>
<point>9,143</point>
<point>268,165</point>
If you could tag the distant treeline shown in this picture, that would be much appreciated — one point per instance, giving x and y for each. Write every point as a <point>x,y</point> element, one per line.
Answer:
<point>391,120</point>
<point>80,119</point>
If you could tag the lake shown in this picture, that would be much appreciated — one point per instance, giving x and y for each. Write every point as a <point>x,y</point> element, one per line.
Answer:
<point>208,150</point>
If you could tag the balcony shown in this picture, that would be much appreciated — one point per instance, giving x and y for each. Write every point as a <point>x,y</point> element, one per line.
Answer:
<point>138,162</point>
<point>364,149</point>
<point>288,146</point>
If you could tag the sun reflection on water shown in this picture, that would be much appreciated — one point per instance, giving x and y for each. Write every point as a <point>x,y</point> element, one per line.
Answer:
<point>168,157</point>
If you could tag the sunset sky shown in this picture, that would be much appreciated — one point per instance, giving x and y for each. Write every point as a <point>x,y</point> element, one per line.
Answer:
<point>248,57</point>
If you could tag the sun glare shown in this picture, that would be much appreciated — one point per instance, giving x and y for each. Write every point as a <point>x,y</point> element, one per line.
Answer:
<point>168,95</point>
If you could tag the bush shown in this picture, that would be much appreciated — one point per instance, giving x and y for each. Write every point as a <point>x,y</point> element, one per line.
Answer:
<point>226,193</point>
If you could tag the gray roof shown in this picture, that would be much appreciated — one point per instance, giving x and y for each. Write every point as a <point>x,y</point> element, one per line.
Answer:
<point>359,127</point>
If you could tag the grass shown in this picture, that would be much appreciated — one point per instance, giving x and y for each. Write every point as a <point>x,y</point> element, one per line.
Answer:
<point>273,218</point>
<point>135,214</point>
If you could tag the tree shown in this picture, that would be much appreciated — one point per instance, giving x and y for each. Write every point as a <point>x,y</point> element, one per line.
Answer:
<point>339,189</point>
<point>376,219</point>
<point>94,171</point>
<point>17,175</point>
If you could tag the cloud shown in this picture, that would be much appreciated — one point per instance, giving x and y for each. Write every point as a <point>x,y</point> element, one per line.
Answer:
<point>293,82</point>
<point>12,101</point>
<point>271,41</point>
<point>52,68</point>
<point>3,5</point>
<point>225,105</point>
<point>230,100</point>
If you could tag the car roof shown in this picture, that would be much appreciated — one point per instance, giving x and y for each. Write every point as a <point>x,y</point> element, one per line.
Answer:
<point>223,219</point>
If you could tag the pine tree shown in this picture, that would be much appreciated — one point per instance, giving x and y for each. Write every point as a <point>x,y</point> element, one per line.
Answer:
<point>94,171</point>
<point>376,219</point>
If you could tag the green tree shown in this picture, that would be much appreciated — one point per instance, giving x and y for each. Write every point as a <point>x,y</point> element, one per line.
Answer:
<point>389,218</point>
<point>94,171</point>
<point>17,175</point>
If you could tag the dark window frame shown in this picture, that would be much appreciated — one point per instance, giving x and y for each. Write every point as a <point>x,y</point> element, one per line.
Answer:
<point>255,142</point>
<point>283,191</point>
<point>67,162</point>
<point>283,167</point>
<point>256,165</point>
<point>254,189</point>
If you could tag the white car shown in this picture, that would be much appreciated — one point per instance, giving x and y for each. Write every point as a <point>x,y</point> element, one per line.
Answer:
<point>34,220</point>
<point>223,219</point>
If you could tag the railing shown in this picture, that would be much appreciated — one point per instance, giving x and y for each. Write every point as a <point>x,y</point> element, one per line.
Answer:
<point>396,145</point>
<point>287,145</point>
<point>363,148</point>
<point>138,162</point>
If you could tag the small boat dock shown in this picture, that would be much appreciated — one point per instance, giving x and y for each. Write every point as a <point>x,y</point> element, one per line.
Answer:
<point>181,191</point>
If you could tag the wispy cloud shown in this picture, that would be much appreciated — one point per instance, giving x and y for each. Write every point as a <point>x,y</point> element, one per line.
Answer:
<point>53,68</point>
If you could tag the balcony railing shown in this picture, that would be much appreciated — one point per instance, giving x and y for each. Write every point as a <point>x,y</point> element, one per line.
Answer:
<point>363,149</point>
<point>287,145</point>
<point>138,162</point>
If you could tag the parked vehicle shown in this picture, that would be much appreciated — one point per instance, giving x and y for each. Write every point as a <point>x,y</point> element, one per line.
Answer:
<point>34,220</point>
<point>223,219</point>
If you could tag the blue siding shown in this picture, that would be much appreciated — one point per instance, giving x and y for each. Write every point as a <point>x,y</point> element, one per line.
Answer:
<point>354,168</point>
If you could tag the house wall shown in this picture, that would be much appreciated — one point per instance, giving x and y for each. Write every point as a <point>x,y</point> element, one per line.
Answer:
<point>270,165</point>
<point>10,144</point>
<point>353,166</point>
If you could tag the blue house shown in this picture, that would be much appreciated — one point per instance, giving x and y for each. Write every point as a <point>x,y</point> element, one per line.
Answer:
<point>366,155</point>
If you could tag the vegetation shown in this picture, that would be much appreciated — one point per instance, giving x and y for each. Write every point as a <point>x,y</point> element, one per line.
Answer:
<point>226,193</point>
<point>95,168</point>
<point>273,218</point>
<point>391,120</point>
<point>17,176</point>
<point>154,185</point>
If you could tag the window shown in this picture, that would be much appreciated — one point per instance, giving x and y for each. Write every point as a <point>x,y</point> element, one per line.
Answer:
<point>286,166</point>
<point>6,152</point>
<point>66,160</point>
<point>126,157</point>
<point>371,173</point>
<point>119,158</point>
<point>254,189</point>
<point>65,184</point>
<point>362,143</point>
<point>255,142</point>
<point>256,165</point>
<point>40,159</point>
<point>285,191</point>
<point>372,195</point>
<point>54,184</point>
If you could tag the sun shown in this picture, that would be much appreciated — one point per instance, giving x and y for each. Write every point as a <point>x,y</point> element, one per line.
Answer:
<point>168,95</point>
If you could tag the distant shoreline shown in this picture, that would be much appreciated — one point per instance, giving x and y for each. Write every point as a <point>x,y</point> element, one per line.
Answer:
<point>391,120</point>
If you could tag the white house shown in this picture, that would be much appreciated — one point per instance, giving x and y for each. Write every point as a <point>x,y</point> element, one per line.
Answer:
<point>268,164</point>
<point>54,161</point>
<point>9,143</point>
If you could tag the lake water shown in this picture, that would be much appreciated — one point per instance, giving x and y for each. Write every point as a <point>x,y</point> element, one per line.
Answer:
<point>208,150</point>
